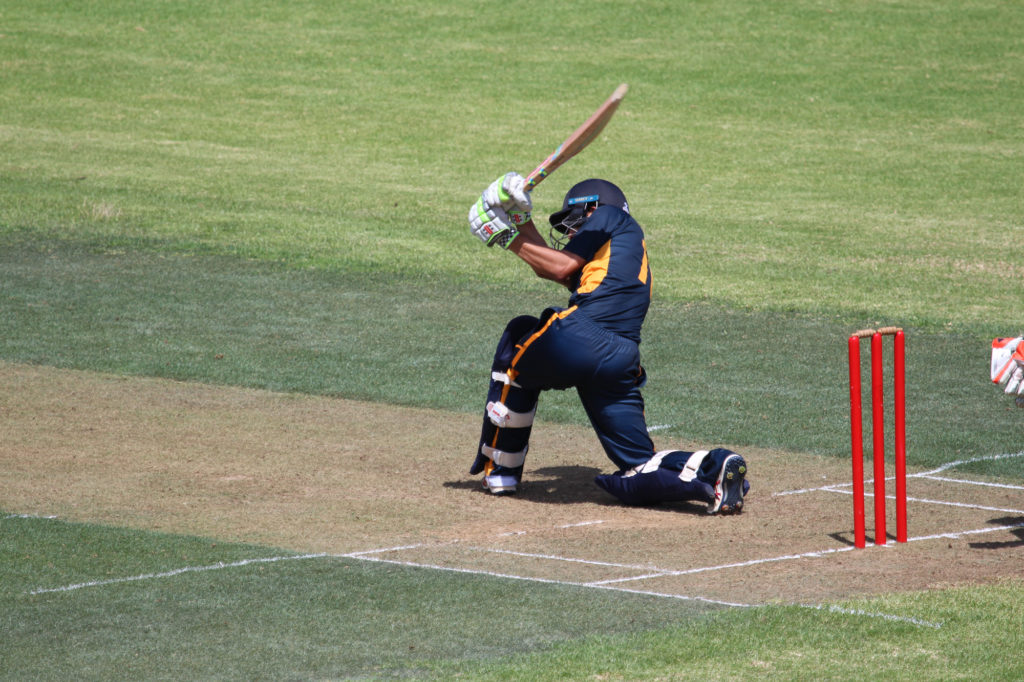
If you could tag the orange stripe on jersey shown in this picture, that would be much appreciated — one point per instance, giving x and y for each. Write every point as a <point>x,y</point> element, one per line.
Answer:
<point>643,264</point>
<point>595,271</point>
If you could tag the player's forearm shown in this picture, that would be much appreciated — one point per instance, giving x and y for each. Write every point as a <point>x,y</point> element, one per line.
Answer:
<point>528,233</point>
<point>546,262</point>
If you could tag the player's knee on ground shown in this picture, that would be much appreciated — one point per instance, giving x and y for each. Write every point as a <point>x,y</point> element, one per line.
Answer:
<point>715,477</point>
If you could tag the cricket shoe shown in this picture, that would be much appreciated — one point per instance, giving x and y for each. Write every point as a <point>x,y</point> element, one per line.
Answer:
<point>730,486</point>
<point>501,480</point>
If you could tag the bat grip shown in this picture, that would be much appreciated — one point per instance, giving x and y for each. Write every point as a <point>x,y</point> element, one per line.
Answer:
<point>534,178</point>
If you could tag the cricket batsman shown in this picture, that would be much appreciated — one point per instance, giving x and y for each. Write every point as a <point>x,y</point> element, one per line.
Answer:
<point>591,345</point>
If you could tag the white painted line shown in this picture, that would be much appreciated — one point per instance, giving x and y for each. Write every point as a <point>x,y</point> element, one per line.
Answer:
<point>834,488</point>
<point>649,593</point>
<point>367,555</point>
<point>837,487</point>
<point>658,427</point>
<point>357,555</point>
<point>669,595</point>
<point>177,571</point>
<point>962,505</point>
<point>988,458</point>
<point>943,503</point>
<point>740,564</point>
<point>547,581</point>
<point>24,516</point>
<point>884,616</point>
<point>966,482</point>
<point>454,569</point>
<point>553,557</point>
<point>512,533</point>
<point>956,535</point>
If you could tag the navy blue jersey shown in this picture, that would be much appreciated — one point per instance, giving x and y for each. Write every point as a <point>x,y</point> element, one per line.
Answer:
<point>614,286</point>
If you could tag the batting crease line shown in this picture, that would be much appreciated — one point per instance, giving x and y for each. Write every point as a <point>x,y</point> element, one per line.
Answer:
<point>366,556</point>
<point>661,573</point>
<point>966,482</point>
<point>739,564</point>
<point>651,593</point>
<point>944,503</point>
<point>548,581</point>
<point>656,572</point>
<point>360,555</point>
<point>846,488</point>
<point>604,584</point>
<point>962,505</point>
<point>807,555</point>
<point>554,557</point>
<point>923,474</point>
<point>957,534</point>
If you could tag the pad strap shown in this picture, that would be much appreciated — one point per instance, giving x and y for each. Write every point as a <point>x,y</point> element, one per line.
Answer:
<point>653,464</point>
<point>688,473</point>
<point>509,460</point>
<point>504,418</point>
<point>504,378</point>
<point>692,466</point>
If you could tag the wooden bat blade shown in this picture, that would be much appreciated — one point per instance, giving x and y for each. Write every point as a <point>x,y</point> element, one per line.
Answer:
<point>580,138</point>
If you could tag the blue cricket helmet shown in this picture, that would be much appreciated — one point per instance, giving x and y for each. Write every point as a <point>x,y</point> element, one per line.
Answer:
<point>583,195</point>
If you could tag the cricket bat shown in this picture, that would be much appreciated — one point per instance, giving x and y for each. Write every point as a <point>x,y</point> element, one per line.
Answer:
<point>576,142</point>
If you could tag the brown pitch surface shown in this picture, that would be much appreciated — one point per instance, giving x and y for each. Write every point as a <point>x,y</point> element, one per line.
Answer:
<point>316,474</point>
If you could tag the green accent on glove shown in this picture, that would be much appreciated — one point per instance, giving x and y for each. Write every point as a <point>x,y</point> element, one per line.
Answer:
<point>505,238</point>
<point>519,217</point>
<point>490,225</point>
<point>503,196</point>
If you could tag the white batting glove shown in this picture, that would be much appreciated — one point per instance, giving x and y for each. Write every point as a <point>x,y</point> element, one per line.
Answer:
<point>509,192</point>
<point>491,225</point>
<point>1007,367</point>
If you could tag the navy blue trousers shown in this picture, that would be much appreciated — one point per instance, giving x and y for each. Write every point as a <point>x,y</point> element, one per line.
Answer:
<point>564,349</point>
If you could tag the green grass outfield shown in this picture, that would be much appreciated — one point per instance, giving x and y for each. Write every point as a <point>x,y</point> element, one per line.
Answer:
<point>273,194</point>
<point>87,602</point>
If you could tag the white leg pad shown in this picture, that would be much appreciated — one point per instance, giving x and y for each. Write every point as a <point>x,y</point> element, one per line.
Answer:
<point>650,465</point>
<point>688,473</point>
<point>510,460</point>
<point>504,418</point>
<point>692,466</point>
